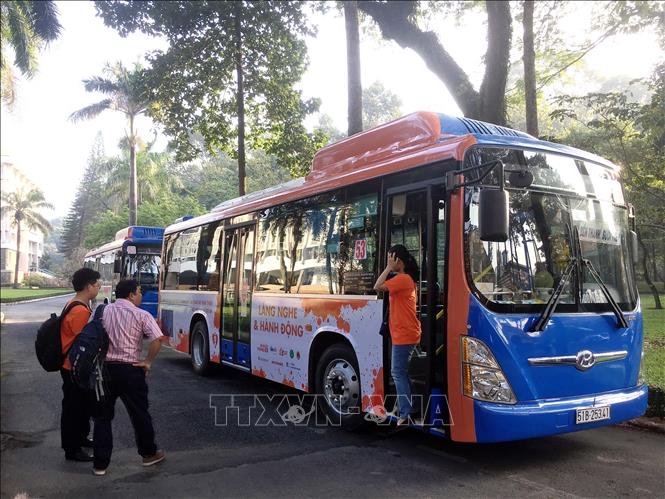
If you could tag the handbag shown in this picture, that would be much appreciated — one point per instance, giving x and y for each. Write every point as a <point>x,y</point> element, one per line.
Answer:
<point>384,330</point>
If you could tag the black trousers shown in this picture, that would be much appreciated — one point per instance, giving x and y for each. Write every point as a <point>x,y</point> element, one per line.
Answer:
<point>126,382</point>
<point>75,416</point>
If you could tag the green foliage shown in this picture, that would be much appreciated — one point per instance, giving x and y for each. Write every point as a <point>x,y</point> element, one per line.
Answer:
<point>35,280</point>
<point>25,27</point>
<point>168,209</point>
<point>22,208</point>
<point>158,213</point>
<point>380,105</point>
<point>557,54</point>
<point>89,202</point>
<point>212,181</point>
<point>328,128</point>
<point>654,341</point>
<point>104,228</point>
<point>154,173</point>
<point>8,295</point>
<point>126,90</point>
<point>632,135</point>
<point>194,80</point>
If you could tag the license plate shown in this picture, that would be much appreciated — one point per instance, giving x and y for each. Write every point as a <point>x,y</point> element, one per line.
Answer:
<point>593,414</point>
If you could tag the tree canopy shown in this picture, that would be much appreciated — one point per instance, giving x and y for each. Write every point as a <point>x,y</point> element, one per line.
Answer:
<point>25,27</point>
<point>196,81</point>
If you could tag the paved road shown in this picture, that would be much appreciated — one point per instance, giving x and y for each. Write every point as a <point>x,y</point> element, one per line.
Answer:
<point>204,460</point>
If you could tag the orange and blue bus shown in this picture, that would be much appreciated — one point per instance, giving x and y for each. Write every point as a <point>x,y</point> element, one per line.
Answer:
<point>531,322</point>
<point>135,253</point>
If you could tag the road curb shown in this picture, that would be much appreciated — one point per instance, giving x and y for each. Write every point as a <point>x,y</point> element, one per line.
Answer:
<point>8,304</point>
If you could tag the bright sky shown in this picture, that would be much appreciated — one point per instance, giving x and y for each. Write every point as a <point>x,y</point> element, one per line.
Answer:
<point>38,138</point>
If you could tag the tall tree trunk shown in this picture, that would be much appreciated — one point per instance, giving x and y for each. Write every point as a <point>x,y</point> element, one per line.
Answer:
<point>396,21</point>
<point>241,100</point>
<point>133,194</point>
<point>18,252</point>
<point>354,85</point>
<point>645,269</point>
<point>529,59</point>
<point>497,62</point>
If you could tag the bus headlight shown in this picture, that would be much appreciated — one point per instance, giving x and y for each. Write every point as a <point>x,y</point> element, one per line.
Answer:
<point>483,378</point>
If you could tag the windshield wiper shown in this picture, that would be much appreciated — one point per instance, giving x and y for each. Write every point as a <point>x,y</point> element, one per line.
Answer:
<point>621,319</point>
<point>551,304</point>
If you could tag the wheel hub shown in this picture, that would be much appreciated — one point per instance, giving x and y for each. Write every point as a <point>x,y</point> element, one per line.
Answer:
<point>341,385</point>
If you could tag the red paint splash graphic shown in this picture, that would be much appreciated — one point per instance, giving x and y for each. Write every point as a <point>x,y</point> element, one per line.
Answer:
<point>183,342</point>
<point>322,309</point>
<point>376,398</point>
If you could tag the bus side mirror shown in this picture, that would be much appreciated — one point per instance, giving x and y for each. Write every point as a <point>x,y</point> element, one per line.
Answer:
<point>117,266</point>
<point>634,246</point>
<point>493,215</point>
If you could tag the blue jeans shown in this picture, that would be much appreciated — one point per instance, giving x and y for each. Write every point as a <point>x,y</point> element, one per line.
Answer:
<point>401,356</point>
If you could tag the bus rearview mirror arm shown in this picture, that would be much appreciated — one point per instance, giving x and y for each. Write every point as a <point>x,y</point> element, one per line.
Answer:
<point>452,185</point>
<point>493,202</point>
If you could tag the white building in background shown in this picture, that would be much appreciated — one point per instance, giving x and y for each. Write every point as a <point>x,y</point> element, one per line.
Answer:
<point>32,241</point>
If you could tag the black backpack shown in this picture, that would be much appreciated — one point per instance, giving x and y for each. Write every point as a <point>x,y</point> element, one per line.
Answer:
<point>88,353</point>
<point>48,344</point>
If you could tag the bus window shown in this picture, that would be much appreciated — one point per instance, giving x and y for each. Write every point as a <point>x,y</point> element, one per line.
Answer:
<point>208,258</point>
<point>188,245</point>
<point>172,265</point>
<point>320,245</point>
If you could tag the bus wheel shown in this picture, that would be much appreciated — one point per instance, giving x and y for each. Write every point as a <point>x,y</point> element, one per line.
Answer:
<point>338,380</point>
<point>200,348</point>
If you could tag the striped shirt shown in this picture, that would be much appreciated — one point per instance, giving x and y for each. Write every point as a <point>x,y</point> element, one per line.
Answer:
<point>127,325</point>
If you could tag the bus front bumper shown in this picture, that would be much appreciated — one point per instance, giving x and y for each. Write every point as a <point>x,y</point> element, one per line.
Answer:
<point>538,418</point>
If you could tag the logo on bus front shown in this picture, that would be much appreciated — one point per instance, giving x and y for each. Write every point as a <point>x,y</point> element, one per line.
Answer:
<point>584,360</point>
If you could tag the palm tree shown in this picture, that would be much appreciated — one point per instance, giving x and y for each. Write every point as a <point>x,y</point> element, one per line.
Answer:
<point>127,93</point>
<point>154,177</point>
<point>25,27</point>
<point>23,208</point>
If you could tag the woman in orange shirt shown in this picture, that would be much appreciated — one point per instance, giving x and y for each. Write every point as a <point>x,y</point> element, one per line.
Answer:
<point>404,324</point>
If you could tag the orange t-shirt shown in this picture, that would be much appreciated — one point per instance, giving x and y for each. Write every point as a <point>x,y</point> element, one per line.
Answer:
<point>71,326</point>
<point>404,325</point>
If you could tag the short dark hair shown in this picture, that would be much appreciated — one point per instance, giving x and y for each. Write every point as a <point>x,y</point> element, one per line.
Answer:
<point>126,287</point>
<point>83,277</point>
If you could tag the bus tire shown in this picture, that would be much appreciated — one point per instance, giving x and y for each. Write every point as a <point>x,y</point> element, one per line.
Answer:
<point>337,379</point>
<point>200,348</point>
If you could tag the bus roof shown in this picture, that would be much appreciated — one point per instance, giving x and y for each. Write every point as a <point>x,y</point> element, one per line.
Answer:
<point>132,234</point>
<point>414,140</point>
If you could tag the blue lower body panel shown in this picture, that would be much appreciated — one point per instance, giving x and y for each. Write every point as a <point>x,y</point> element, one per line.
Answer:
<point>150,307</point>
<point>539,418</point>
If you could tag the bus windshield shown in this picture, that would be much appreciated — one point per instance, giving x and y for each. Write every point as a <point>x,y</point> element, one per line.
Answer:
<point>144,267</point>
<point>567,193</point>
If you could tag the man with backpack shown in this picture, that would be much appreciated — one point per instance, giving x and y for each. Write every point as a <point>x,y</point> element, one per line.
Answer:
<point>76,402</point>
<point>126,325</point>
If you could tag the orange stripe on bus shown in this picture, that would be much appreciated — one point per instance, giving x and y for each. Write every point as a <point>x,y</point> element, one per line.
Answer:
<point>463,424</point>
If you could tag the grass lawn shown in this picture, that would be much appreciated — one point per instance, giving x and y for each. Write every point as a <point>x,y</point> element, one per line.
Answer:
<point>9,295</point>
<point>654,341</point>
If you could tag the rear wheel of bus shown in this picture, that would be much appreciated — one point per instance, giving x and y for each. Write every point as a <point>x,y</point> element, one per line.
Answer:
<point>200,348</point>
<point>338,381</point>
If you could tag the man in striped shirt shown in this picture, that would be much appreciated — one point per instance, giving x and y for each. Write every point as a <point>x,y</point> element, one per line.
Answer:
<point>127,325</point>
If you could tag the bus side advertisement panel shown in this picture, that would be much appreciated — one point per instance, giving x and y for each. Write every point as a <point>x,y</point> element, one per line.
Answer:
<point>284,328</point>
<point>176,312</point>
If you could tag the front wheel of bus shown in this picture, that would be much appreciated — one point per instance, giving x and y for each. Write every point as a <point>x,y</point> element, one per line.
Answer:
<point>200,348</point>
<point>338,380</point>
